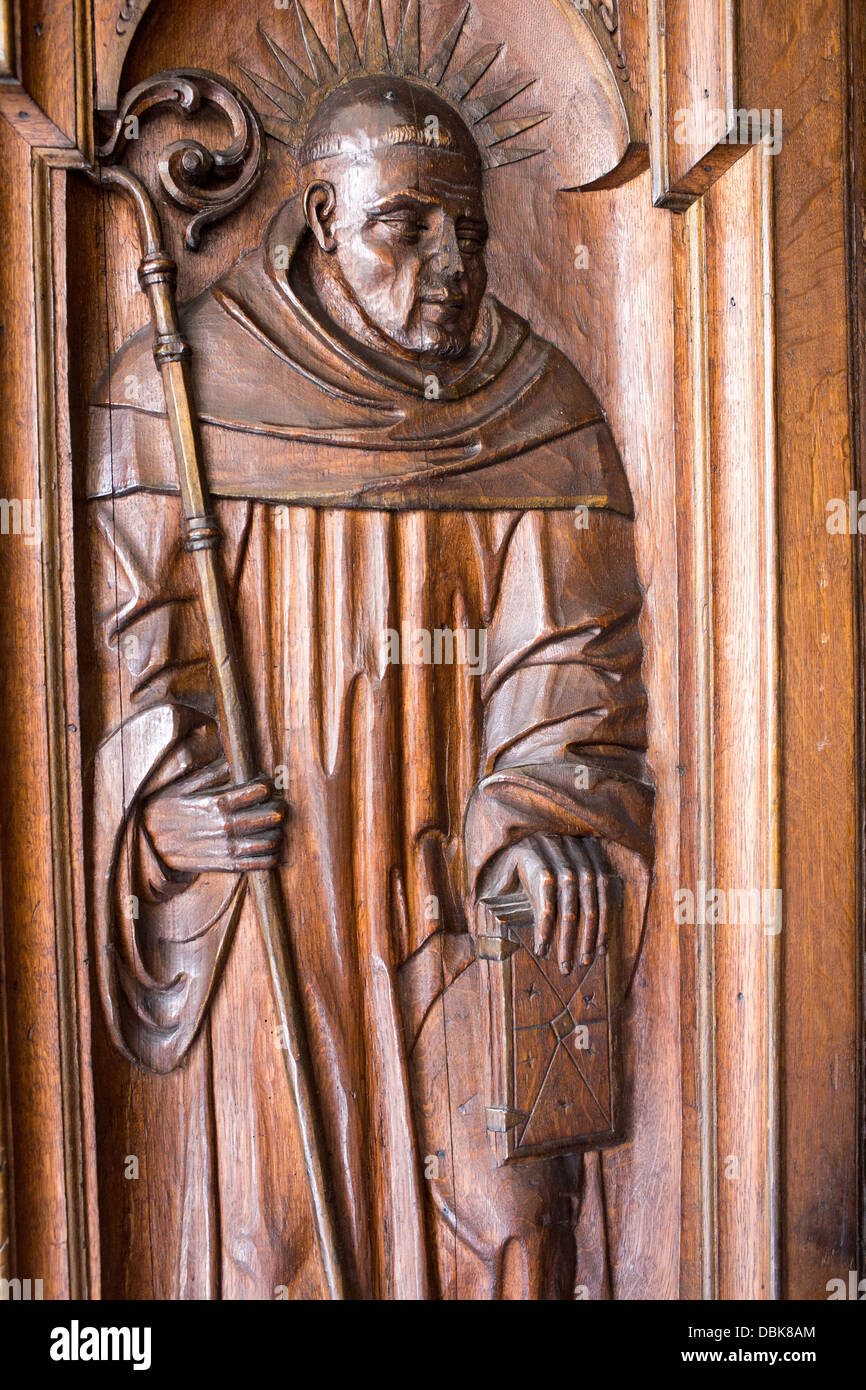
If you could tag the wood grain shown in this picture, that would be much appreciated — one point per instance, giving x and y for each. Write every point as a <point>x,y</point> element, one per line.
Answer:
<point>819,831</point>
<point>704,327</point>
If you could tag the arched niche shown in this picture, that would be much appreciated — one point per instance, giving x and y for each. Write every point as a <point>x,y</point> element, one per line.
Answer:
<point>592,271</point>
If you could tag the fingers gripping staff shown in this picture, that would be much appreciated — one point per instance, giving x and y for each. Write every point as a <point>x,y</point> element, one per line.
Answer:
<point>204,822</point>
<point>157,275</point>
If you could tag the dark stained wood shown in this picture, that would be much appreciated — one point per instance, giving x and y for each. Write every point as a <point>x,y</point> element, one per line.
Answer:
<point>818,637</point>
<point>856,153</point>
<point>384,345</point>
<point>701,414</point>
<point>36,1185</point>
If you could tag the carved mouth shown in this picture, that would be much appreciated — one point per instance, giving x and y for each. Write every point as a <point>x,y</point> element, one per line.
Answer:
<point>443,307</point>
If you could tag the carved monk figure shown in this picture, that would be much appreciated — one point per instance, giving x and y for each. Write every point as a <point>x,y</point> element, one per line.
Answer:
<point>430,555</point>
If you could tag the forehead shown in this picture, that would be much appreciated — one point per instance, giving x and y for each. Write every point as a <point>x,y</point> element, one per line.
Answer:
<point>448,179</point>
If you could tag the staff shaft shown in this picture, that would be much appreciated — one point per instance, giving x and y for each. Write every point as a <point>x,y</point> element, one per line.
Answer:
<point>157,274</point>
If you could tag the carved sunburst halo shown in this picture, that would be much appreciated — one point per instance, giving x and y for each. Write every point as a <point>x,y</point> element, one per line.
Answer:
<point>299,93</point>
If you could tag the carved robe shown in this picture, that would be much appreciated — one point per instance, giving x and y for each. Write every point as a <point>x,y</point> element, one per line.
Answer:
<point>361,518</point>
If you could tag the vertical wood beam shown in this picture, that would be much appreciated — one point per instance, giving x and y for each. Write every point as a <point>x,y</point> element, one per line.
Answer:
<point>729,733</point>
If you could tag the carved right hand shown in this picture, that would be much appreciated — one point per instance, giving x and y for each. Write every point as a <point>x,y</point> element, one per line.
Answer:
<point>568,882</point>
<point>204,823</point>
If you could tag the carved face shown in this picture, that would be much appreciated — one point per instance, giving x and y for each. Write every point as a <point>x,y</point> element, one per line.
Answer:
<point>410,231</point>
<point>403,223</point>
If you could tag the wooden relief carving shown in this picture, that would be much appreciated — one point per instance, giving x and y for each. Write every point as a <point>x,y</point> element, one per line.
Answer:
<point>424,435</point>
<point>549,1039</point>
<point>369,774</point>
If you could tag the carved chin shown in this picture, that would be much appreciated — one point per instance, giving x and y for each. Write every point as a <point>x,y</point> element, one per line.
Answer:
<point>444,343</point>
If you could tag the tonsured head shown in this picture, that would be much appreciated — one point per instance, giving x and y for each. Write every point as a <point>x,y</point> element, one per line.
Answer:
<point>394,201</point>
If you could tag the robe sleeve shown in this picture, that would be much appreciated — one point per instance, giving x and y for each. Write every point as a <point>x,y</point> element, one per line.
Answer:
<point>564,707</point>
<point>161,936</point>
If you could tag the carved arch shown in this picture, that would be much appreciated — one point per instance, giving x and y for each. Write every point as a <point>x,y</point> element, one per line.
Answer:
<point>612,145</point>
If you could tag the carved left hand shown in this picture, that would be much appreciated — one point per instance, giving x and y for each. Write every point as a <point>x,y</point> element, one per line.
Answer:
<point>568,883</point>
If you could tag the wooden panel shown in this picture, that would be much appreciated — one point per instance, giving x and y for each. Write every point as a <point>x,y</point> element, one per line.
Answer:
<point>692,90</point>
<point>742,509</point>
<point>627,270</point>
<point>727,1187</point>
<point>706,106</point>
<point>48,59</point>
<point>776,72</point>
<point>114,26</point>
<point>37,1178</point>
<point>728,753</point>
<point>797,62</point>
<point>856,155</point>
<point>7,1210</point>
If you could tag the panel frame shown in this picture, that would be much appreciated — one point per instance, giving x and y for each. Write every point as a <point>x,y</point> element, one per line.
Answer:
<point>710,1268</point>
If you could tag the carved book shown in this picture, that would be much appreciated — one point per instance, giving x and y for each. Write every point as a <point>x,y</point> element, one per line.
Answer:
<point>549,1040</point>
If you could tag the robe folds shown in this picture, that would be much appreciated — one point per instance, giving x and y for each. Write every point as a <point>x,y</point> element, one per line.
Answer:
<point>437,607</point>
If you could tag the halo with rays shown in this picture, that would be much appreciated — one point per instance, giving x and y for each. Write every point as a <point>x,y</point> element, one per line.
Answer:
<point>302,92</point>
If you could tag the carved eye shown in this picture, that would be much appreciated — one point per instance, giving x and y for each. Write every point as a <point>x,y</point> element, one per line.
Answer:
<point>404,224</point>
<point>471,242</point>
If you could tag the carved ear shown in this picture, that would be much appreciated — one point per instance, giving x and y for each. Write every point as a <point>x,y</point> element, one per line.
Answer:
<point>320,200</point>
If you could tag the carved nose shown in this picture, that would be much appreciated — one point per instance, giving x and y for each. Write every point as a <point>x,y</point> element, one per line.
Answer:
<point>448,260</point>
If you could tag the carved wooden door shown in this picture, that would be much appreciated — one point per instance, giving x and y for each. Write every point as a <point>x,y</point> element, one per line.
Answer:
<point>432,830</point>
